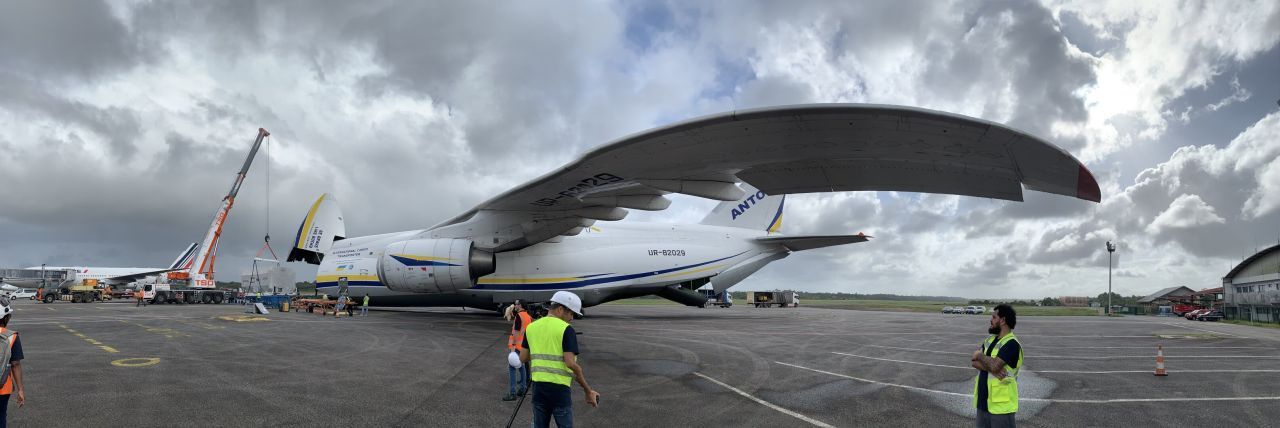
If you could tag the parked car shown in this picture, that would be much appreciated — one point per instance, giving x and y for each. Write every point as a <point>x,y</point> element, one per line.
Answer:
<point>26,293</point>
<point>1211,315</point>
<point>946,309</point>
<point>979,310</point>
<point>1193,314</point>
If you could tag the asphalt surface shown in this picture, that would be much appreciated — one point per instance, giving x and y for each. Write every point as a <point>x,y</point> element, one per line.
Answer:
<point>112,364</point>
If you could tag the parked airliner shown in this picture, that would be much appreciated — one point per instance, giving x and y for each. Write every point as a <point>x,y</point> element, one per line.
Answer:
<point>544,236</point>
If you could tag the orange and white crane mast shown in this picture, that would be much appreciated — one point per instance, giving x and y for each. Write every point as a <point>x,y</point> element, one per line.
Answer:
<point>200,268</point>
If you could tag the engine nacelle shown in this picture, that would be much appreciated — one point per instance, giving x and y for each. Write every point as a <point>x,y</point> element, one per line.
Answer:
<point>433,265</point>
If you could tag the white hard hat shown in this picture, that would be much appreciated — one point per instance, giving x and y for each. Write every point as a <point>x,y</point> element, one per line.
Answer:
<point>513,358</point>
<point>568,300</point>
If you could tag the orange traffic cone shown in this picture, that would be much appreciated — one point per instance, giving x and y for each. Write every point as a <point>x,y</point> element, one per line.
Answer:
<point>1160,361</point>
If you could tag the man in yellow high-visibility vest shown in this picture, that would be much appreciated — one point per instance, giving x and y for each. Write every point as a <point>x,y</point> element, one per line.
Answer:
<point>995,390</point>
<point>551,352</point>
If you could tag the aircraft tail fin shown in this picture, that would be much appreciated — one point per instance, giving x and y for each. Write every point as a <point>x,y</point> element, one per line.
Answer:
<point>185,257</point>
<point>755,211</point>
<point>319,229</point>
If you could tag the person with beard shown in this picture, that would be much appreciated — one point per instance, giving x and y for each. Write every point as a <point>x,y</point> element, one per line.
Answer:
<point>995,390</point>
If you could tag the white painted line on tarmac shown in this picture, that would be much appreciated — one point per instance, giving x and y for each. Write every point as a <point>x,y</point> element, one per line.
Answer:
<point>1073,357</point>
<point>1101,347</point>
<point>1151,371</point>
<point>1199,329</point>
<point>1039,400</point>
<point>922,350</point>
<point>876,382</point>
<point>1065,371</point>
<point>813,421</point>
<point>904,361</point>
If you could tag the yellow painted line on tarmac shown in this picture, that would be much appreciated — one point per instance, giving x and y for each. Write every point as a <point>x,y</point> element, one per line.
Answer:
<point>136,362</point>
<point>168,333</point>
<point>91,341</point>
<point>127,362</point>
<point>204,325</point>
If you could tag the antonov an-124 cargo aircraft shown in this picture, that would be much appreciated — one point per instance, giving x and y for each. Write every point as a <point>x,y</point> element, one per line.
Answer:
<point>546,236</point>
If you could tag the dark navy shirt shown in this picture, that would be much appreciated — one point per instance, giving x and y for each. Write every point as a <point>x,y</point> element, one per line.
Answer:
<point>1009,354</point>
<point>17,349</point>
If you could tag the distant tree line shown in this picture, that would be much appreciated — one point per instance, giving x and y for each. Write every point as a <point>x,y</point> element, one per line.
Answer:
<point>813,295</point>
<point>1101,299</point>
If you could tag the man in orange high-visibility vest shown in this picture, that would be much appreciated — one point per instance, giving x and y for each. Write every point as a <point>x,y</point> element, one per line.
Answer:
<point>517,376</point>
<point>10,364</point>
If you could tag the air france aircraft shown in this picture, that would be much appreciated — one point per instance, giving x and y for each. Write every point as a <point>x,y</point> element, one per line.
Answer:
<point>123,276</point>
<point>543,236</point>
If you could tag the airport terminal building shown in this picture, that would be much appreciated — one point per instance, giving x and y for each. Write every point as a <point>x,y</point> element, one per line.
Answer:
<point>1252,289</point>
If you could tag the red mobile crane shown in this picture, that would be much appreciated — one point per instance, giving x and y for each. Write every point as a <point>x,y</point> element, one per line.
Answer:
<point>198,273</point>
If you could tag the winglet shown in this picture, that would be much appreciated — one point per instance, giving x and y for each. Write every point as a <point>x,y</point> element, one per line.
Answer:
<point>1087,186</point>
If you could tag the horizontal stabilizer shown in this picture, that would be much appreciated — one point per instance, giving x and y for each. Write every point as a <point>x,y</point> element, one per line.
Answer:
<point>801,243</point>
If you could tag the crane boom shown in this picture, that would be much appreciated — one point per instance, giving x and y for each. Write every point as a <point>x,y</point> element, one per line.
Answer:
<point>201,270</point>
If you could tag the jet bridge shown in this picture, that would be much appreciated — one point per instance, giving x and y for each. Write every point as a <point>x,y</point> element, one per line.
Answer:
<point>35,278</point>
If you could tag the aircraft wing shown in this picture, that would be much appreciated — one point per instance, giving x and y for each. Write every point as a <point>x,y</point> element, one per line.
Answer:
<point>136,276</point>
<point>801,243</point>
<point>779,150</point>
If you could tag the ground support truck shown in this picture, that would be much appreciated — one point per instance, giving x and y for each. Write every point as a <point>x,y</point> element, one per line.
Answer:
<point>765,299</point>
<point>721,299</point>
<point>83,291</point>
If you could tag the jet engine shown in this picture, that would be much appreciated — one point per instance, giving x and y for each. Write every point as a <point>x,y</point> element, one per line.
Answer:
<point>433,265</point>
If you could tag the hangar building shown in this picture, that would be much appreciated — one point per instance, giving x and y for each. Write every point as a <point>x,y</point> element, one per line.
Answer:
<point>1252,289</point>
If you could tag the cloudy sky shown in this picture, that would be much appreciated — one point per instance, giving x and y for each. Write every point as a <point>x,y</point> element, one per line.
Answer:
<point>123,123</point>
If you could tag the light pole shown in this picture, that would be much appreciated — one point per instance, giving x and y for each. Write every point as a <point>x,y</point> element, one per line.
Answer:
<point>42,282</point>
<point>1111,248</point>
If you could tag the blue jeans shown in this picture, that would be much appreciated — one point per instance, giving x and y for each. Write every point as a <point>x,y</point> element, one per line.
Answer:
<point>552,400</point>
<point>516,379</point>
<point>364,311</point>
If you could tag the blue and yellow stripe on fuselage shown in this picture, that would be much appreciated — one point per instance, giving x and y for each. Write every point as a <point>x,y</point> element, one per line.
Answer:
<point>523,283</point>
<point>528,283</point>
<point>331,280</point>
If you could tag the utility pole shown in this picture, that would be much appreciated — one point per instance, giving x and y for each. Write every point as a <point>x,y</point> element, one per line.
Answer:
<point>1111,248</point>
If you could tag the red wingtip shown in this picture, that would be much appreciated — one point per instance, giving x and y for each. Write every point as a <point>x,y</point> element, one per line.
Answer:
<point>1087,186</point>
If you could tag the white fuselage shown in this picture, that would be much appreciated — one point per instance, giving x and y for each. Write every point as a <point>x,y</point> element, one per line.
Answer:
<point>81,273</point>
<point>602,263</point>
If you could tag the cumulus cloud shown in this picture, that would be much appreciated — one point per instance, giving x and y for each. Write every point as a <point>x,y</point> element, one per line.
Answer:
<point>1185,212</point>
<point>1165,50</point>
